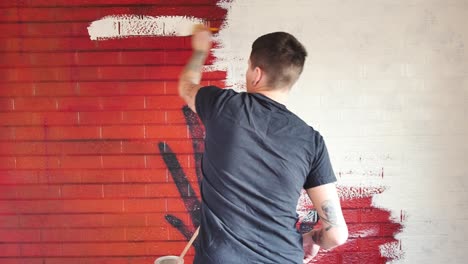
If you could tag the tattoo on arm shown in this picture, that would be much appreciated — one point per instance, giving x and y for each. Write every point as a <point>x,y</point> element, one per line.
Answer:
<point>329,208</point>
<point>192,71</point>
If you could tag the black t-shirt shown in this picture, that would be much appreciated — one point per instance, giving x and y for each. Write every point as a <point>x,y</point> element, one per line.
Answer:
<point>258,157</point>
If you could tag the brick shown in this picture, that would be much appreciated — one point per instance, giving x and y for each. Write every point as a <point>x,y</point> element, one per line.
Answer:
<point>9,221</point>
<point>124,220</point>
<point>144,205</point>
<point>18,176</point>
<point>143,88</point>
<point>18,260</point>
<point>145,175</point>
<point>81,162</point>
<point>124,162</point>
<point>147,233</point>
<point>162,72</point>
<point>390,229</point>
<point>30,133</point>
<point>125,191</point>
<point>9,250</point>
<point>167,248</point>
<point>369,244</point>
<point>103,249</point>
<point>356,203</point>
<point>38,118</point>
<point>37,162</point>
<point>20,235</point>
<point>35,104</point>
<point>73,132</point>
<point>123,103</point>
<point>164,102</point>
<point>6,104</point>
<point>99,88</point>
<point>183,146</point>
<point>175,205</point>
<point>101,118</point>
<point>102,176</point>
<point>58,176</point>
<point>122,73</point>
<point>177,117</point>
<point>166,132</point>
<point>7,163</point>
<point>8,192</point>
<point>83,235</point>
<point>79,104</point>
<point>16,89</point>
<point>60,220</point>
<point>351,215</point>
<point>37,192</point>
<point>172,87</point>
<point>163,190</point>
<point>93,206</point>
<point>144,117</point>
<point>82,191</point>
<point>123,132</point>
<point>55,88</point>
<point>374,216</point>
<point>98,58</point>
<point>47,59</point>
<point>214,75</point>
<point>97,147</point>
<point>7,133</point>
<point>22,148</point>
<point>41,249</point>
<point>139,147</point>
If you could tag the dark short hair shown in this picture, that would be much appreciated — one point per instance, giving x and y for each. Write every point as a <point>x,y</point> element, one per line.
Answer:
<point>281,56</point>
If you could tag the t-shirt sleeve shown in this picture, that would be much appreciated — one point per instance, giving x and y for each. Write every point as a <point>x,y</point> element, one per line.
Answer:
<point>321,172</point>
<point>209,100</point>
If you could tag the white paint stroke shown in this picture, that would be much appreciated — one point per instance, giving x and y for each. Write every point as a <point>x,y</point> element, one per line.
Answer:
<point>366,232</point>
<point>392,250</point>
<point>123,26</point>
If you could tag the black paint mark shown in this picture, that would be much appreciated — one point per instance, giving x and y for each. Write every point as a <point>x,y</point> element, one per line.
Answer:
<point>186,191</point>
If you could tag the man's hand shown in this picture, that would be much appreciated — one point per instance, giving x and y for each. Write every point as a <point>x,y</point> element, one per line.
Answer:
<point>310,247</point>
<point>202,39</point>
<point>189,79</point>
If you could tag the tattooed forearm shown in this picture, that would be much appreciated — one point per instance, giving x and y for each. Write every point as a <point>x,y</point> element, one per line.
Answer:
<point>330,217</point>
<point>192,71</point>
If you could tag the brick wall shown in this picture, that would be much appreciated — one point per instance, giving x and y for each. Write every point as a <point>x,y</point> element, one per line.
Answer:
<point>83,128</point>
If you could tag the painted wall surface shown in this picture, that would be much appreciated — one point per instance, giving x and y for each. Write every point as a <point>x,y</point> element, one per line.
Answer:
<point>99,158</point>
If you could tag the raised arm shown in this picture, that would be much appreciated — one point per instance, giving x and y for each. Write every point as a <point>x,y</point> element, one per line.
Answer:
<point>334,231</point>
<point>189,79</point>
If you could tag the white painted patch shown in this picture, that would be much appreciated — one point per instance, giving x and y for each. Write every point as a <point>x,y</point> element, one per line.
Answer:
<point>391,250</point>
<point>391,106</point>
<point>123,26</point>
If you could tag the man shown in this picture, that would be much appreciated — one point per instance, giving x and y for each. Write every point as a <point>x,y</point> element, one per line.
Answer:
<point>258,157</point>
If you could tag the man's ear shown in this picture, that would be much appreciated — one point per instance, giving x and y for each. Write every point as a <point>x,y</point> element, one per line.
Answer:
<point>259,74</point>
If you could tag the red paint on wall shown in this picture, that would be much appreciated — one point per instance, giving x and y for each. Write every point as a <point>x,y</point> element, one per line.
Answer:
<point>82,179</point>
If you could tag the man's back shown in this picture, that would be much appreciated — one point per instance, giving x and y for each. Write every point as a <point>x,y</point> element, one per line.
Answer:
<point>258,157</point>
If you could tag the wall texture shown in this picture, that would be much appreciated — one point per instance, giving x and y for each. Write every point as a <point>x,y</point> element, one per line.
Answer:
<point>99,158</point>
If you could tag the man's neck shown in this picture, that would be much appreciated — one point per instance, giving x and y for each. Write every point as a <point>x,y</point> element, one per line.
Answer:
<point>280,96</point>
